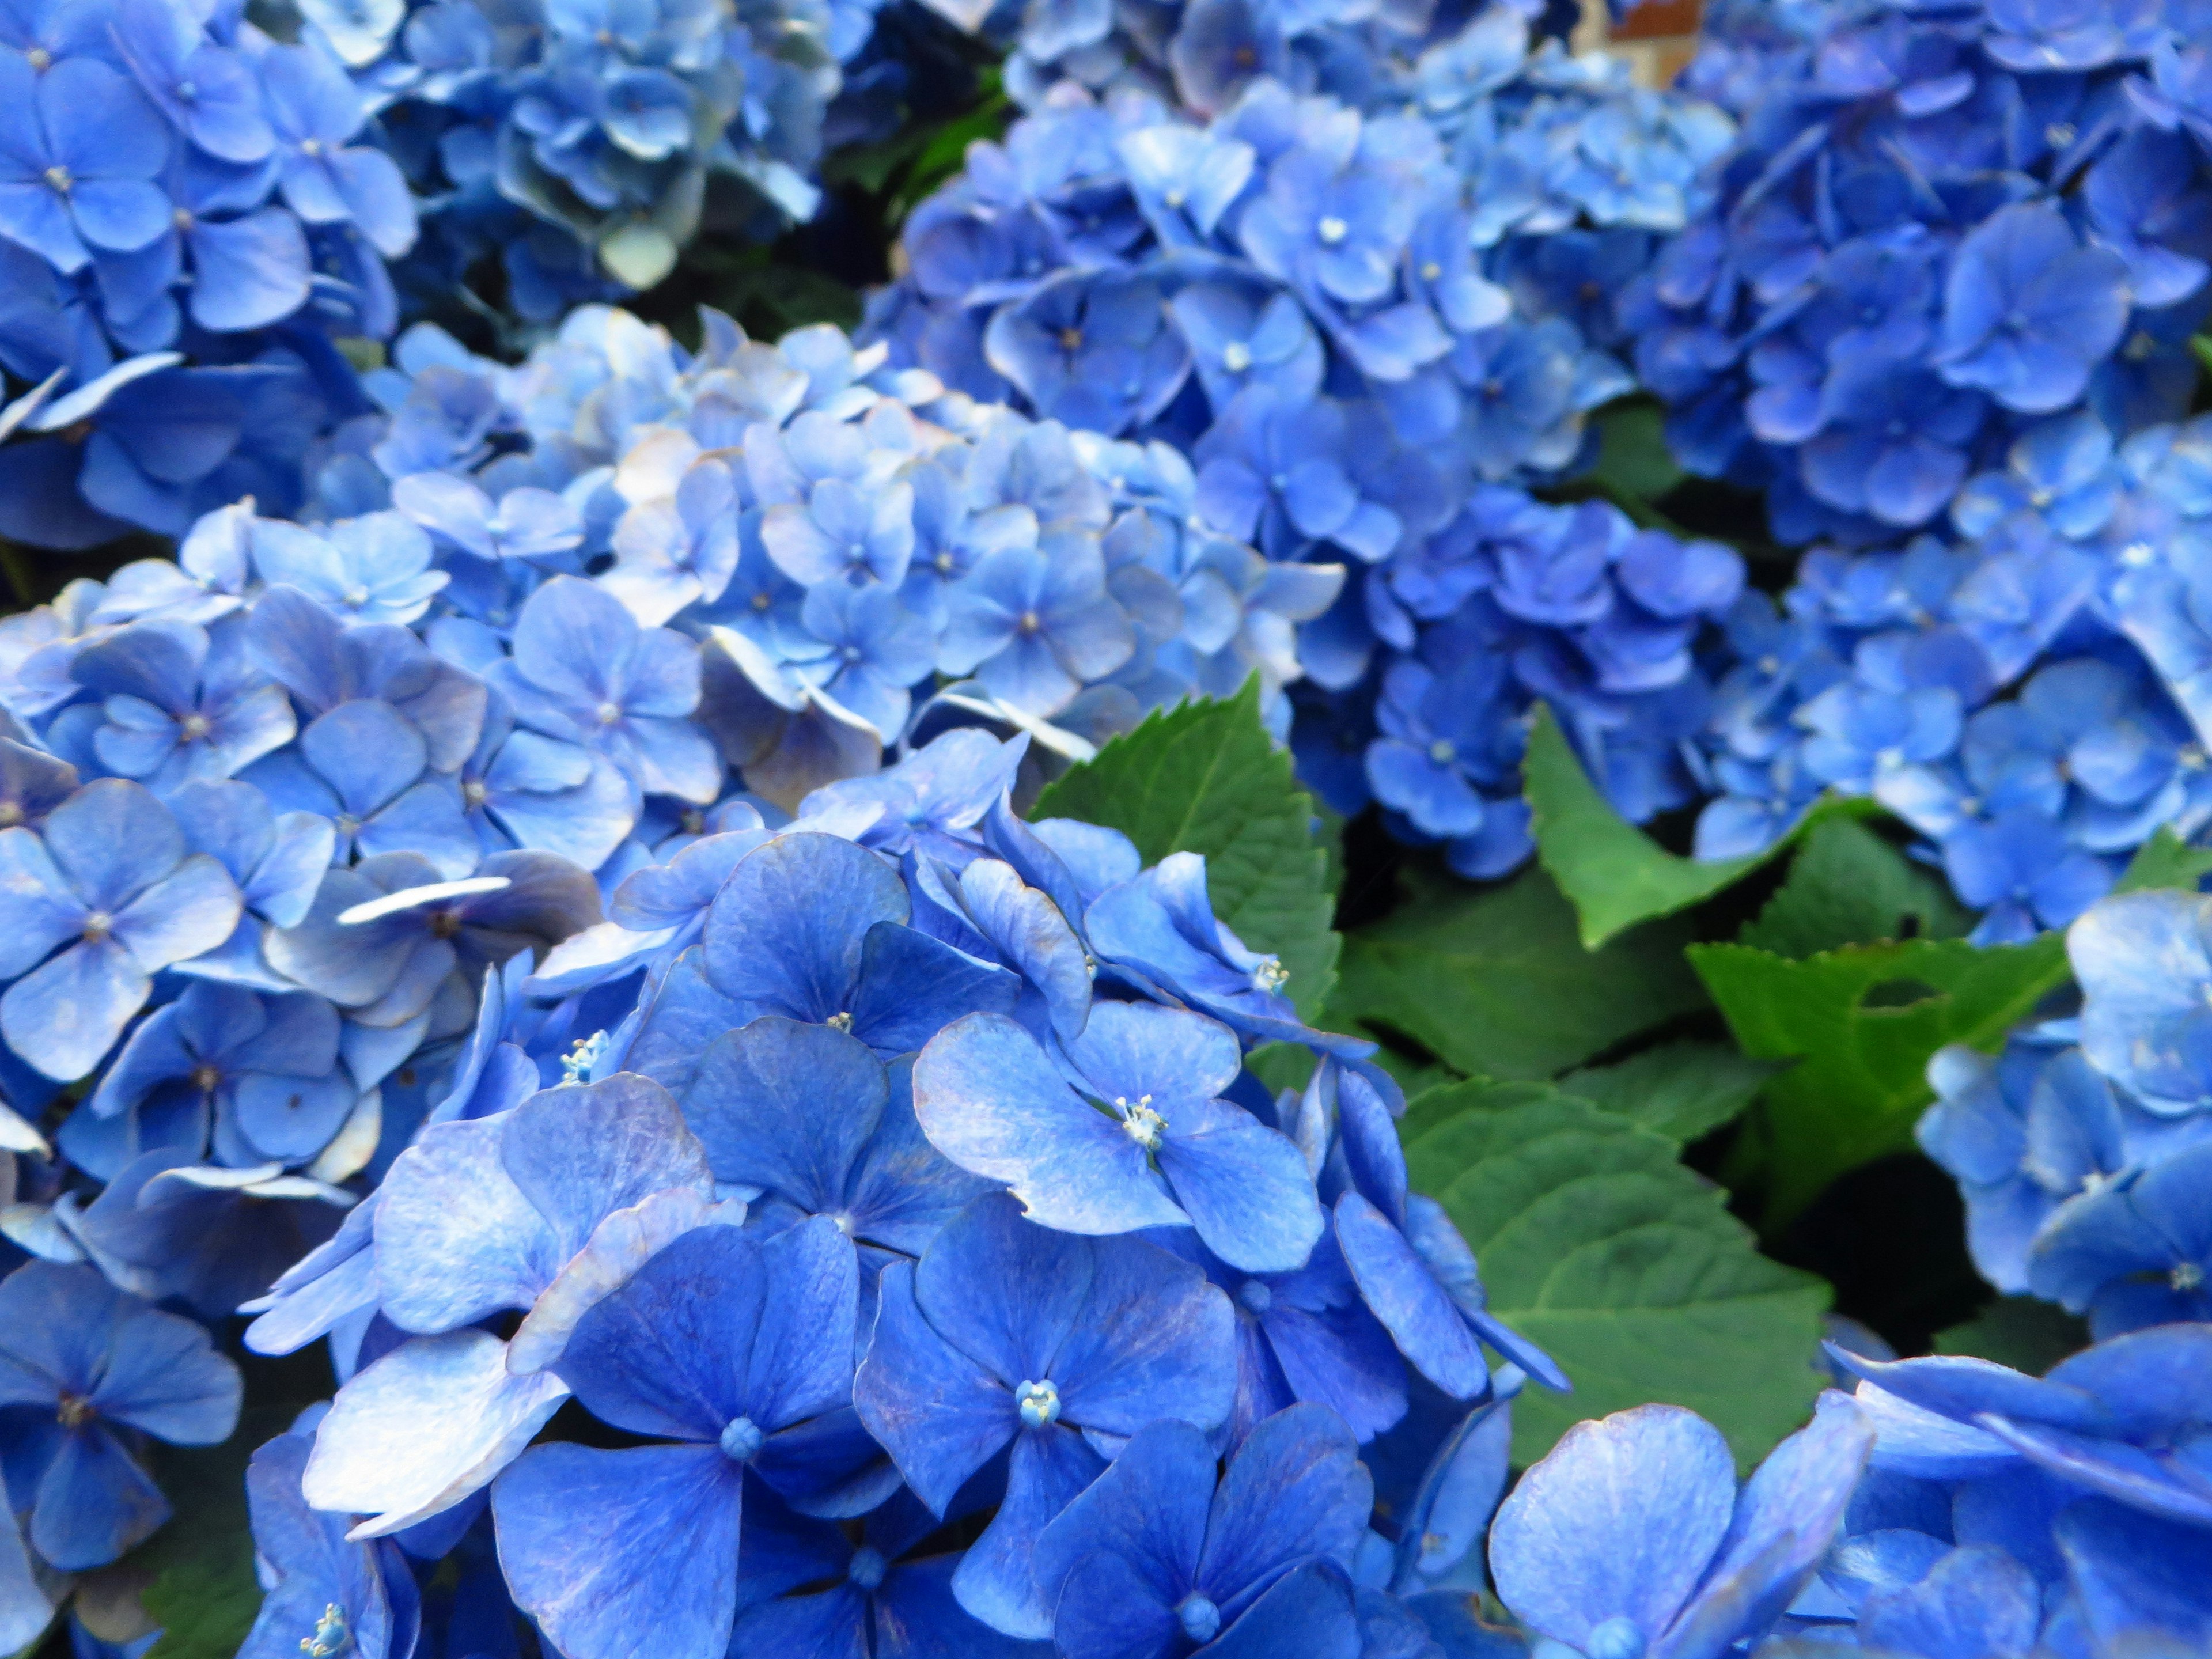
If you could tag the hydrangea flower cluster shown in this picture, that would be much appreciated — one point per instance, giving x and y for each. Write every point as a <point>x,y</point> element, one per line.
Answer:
<point>2032,700</point>
<point>390,889</point>
<point>1941,225</point>
<point>1369,315</point>
<point>573,146</point>
<point>892,1192</point>
<point>865,553</point>
<point>900,1162</point>
<point>2081,1149</point>
<point>192,211</point>
<point>2004,1513</point>
<point>1944,1507</point>
<point>1201,56</point>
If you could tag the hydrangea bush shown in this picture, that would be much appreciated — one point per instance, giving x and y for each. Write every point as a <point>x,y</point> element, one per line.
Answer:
<point>1201,936</point>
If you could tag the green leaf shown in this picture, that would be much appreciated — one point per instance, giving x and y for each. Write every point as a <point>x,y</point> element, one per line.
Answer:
<point>204,1594</point>
<point>2018,1331</point>
<point>1681,1090</point>
<point>1634,462</point>
<point>1443,1102</point>
<point>1596,1244</point>
<point>1204,777</point>
<point>1849,886</point>
<point>1495,983</point>
<point>1617,875</point>
<point>1863,1022</point>
<point>2204,344</point>
<point>2165,860</point>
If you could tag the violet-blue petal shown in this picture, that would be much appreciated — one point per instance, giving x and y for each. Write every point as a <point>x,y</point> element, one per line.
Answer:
<point>1620,1520</point>
<point>599,1546</point>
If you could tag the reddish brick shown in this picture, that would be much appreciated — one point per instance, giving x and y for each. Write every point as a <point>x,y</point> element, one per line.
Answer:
<point>1655,19</point>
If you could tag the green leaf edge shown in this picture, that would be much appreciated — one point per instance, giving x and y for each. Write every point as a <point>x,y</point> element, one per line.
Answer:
<point>1565,810</point>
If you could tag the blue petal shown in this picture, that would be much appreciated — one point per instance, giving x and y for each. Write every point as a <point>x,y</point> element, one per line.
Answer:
<point>1400,1291</point>
<point>1619,1521</point>
<point>1307,1613</point>
<point>1295,1489</point>
<point>424,1426</point>
<point>940,1414</point>
<point>788,1107</point>
<point>1972,1600</point>
<point>996,1580</point>
<point>911,987</point>
<point>1152,1340</point>
<point>1245,1187</point>
<point>1784,1522</point>
<point>786,932</point>
<point>1148,1513</point>
<point>581,1151</point>
<point>2139,1581</point>
<point>63,1016</point>
<point>93,1503</point>
<point>989,1099</point>
<point>455,1237</point>
<point>601,1546</point>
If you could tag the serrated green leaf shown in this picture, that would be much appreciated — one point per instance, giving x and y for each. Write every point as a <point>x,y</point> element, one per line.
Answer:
<point>1204,777</point>
<point>1863,1022</point>
<point>1681,1090</point>
<point>2018,1331</point>
<point>1848,886</point>
<point>1595,1242</point>
<point>1496,984</point>
<point>1616,875</point>
<point>2165,860</point>
<point>1438,1104</point>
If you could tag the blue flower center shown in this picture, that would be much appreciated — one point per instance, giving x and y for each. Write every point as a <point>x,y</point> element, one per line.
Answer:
<point>72,1411</point>
<point>1332,230</point>
<point>1039,1403</point>
<point>331,1634</point>
<point>1616,1638</point>
<point>1443,751</point>
<point>1236,356</point>
<point>58,177</point>
<point>742,1440</point>
<point>1201,1618</point>
<point>1255,1296</point>
<point>1139,1122</point>
<point>2186,1276</point>
<point>867,1568</point>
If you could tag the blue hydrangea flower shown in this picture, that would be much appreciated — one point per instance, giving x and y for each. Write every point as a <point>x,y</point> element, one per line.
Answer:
<point>1007,1334</point>
<point>337,1593</point>
<point>583,672</point>
<point>1152,1550</point>
<point>103,1366</point>
<point>594,1541</point>
<point>1631,1533</point>
<point>105,896</point>
<point>1166,1149</point>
